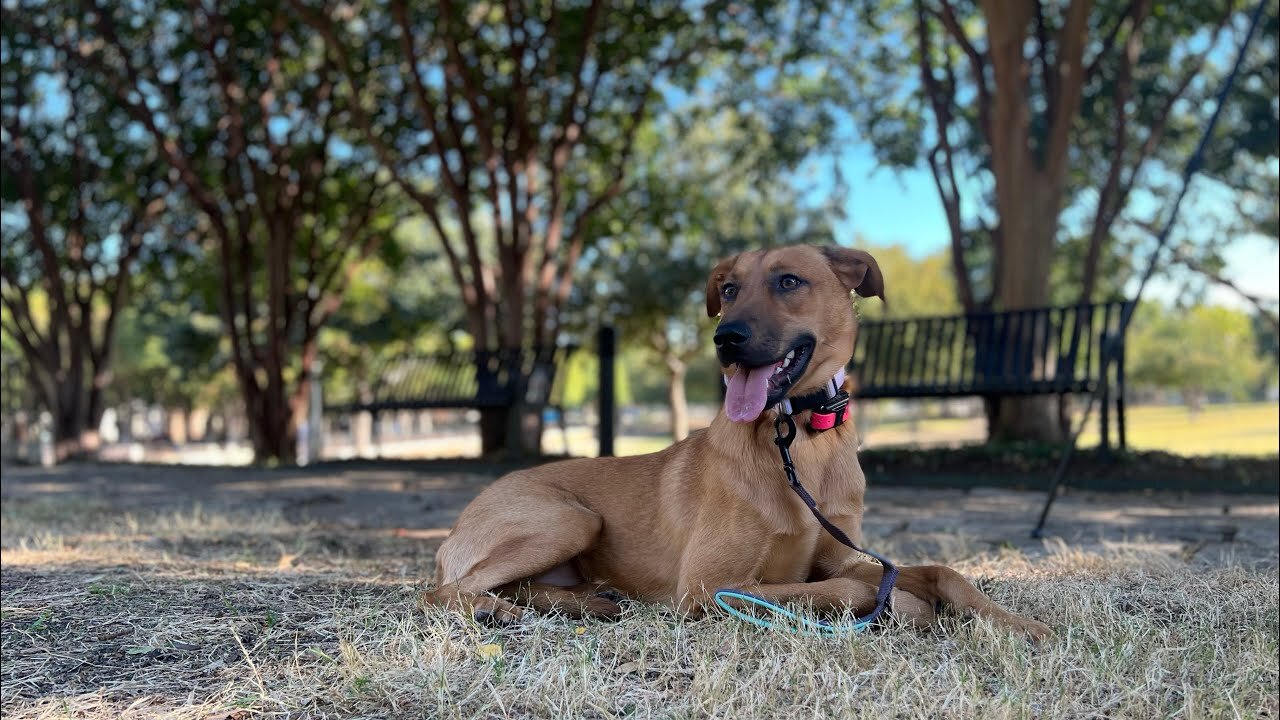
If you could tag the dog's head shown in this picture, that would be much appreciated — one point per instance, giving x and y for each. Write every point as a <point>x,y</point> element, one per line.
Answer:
<point>786,320</point>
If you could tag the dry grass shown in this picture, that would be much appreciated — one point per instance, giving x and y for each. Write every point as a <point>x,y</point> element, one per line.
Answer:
<point>209,614</point>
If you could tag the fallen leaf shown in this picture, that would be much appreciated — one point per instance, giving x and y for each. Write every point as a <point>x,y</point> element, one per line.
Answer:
<point>179,645</point>
<point>137,650</point>
<point>489,651</point>
<point>579,630</point>
<point>627,667</point>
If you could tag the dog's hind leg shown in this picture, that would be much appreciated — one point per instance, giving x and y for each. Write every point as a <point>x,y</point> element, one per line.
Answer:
<point>513,531</point>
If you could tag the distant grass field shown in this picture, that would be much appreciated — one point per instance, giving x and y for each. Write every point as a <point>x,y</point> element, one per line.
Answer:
<point>1237,429</point>
<point>1243,429</point>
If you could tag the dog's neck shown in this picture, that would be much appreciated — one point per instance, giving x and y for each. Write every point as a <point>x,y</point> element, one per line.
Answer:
<point>791,406</point>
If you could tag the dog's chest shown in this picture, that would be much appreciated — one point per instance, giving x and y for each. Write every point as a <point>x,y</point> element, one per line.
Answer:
<point>793,534</point>
<point>790,556</point>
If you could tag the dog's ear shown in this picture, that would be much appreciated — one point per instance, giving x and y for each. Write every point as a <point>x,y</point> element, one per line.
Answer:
<point>717,276</point>
<point>857,270</point>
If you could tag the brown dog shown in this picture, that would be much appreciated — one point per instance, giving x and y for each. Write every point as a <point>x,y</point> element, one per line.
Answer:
<point>713,511</point>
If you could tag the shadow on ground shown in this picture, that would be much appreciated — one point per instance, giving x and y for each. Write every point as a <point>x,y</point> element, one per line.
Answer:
<point>184,587</point>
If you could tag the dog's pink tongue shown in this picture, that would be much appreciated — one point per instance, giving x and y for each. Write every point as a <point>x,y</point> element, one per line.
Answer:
<point>747,393</point>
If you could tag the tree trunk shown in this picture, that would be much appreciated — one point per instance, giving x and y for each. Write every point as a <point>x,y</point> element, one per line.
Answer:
<point>1028,234</point>
<point>677,399</point>
<point>1029,177</point>
<point>75,435</point>
<point>274,443</point>
<point>66,432</point>
<point>494,427</point>
<point>512,433</point>
<point>271,426</point>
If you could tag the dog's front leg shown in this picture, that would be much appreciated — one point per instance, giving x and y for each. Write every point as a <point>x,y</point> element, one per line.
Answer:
<point>699,584</point>
<point>920,589</point>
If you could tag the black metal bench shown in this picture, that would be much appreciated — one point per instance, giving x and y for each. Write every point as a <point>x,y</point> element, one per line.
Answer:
<point>468,380</point>
<point>1042,351</point>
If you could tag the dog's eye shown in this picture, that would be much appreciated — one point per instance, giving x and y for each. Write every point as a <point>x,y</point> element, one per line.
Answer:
<point>789,282</point>
<point>729,291</point>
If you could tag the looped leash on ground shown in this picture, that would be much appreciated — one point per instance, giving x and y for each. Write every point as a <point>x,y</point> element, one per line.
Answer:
<point>804,625</point>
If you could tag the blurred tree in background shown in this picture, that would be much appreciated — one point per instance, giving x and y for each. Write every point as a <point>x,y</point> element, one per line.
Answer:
<point>239,99</point>
<point>85,199</point>
<point>1197,351</point>
<point>722,188</point>
<point>512,126</point>
<point>400,301</point>
<point>172,348</point>
<point>205,197</point>
<point>1051,128</point>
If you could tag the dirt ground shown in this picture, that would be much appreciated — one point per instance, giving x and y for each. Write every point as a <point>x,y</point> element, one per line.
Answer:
<point>155,591</point>
<point>422,499</point>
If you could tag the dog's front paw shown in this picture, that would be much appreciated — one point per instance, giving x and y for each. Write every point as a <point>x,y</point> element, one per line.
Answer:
<point>600,607</point>
<point>495,611</point>
<point>1035,630</point>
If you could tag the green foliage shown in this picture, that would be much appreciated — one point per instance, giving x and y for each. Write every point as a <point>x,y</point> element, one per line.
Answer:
<point>82,201</point>
<point>171,350</point>
<point>16,392</point>
<point>696,196</point>
<point>1181,55</point>
<point>239,99</point>
<point>1204,349</point>
<point>402,301</point>
<point>914,287</point>
<point>580,378</point>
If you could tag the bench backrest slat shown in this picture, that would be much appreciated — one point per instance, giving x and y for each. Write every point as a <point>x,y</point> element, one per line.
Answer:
<point>1031,351</point>
<point>454,380</point>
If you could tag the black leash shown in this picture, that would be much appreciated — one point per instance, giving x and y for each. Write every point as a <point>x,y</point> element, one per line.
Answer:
<point>890,574</point>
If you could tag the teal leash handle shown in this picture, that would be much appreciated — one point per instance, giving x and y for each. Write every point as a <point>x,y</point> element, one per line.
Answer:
<point>807,627</point>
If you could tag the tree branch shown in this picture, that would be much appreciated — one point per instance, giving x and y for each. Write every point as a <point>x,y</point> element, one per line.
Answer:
<point>1115,193</point>
<point>28,335</point>
<point>33,205</point>
<point>977,62</point>
<point>1065,101</point>
<point>942,102</point>
<point>1108,194</point>
<point>1261,304</point>
<point>428,202</point>
<point>1110,40</point>
<point>458,71</point>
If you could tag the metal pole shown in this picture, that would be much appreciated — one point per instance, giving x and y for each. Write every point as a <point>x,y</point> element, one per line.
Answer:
<point>1120,390</point>
<point>606,343</point>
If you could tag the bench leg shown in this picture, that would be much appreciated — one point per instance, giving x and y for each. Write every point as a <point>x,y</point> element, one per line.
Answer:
<point>1104,420</point>
<point>1124,445</point>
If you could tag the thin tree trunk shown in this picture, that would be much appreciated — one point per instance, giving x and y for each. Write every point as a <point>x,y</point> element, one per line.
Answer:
<point>677,399</point>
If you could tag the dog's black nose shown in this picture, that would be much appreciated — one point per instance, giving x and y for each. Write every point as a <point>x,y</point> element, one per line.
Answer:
<point>732,334</point>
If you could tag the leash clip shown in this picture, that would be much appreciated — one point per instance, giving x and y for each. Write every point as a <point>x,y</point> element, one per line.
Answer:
<point>784,441</point>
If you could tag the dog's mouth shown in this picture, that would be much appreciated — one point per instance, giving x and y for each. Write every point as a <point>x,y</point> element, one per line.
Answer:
<point>752,389</point>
